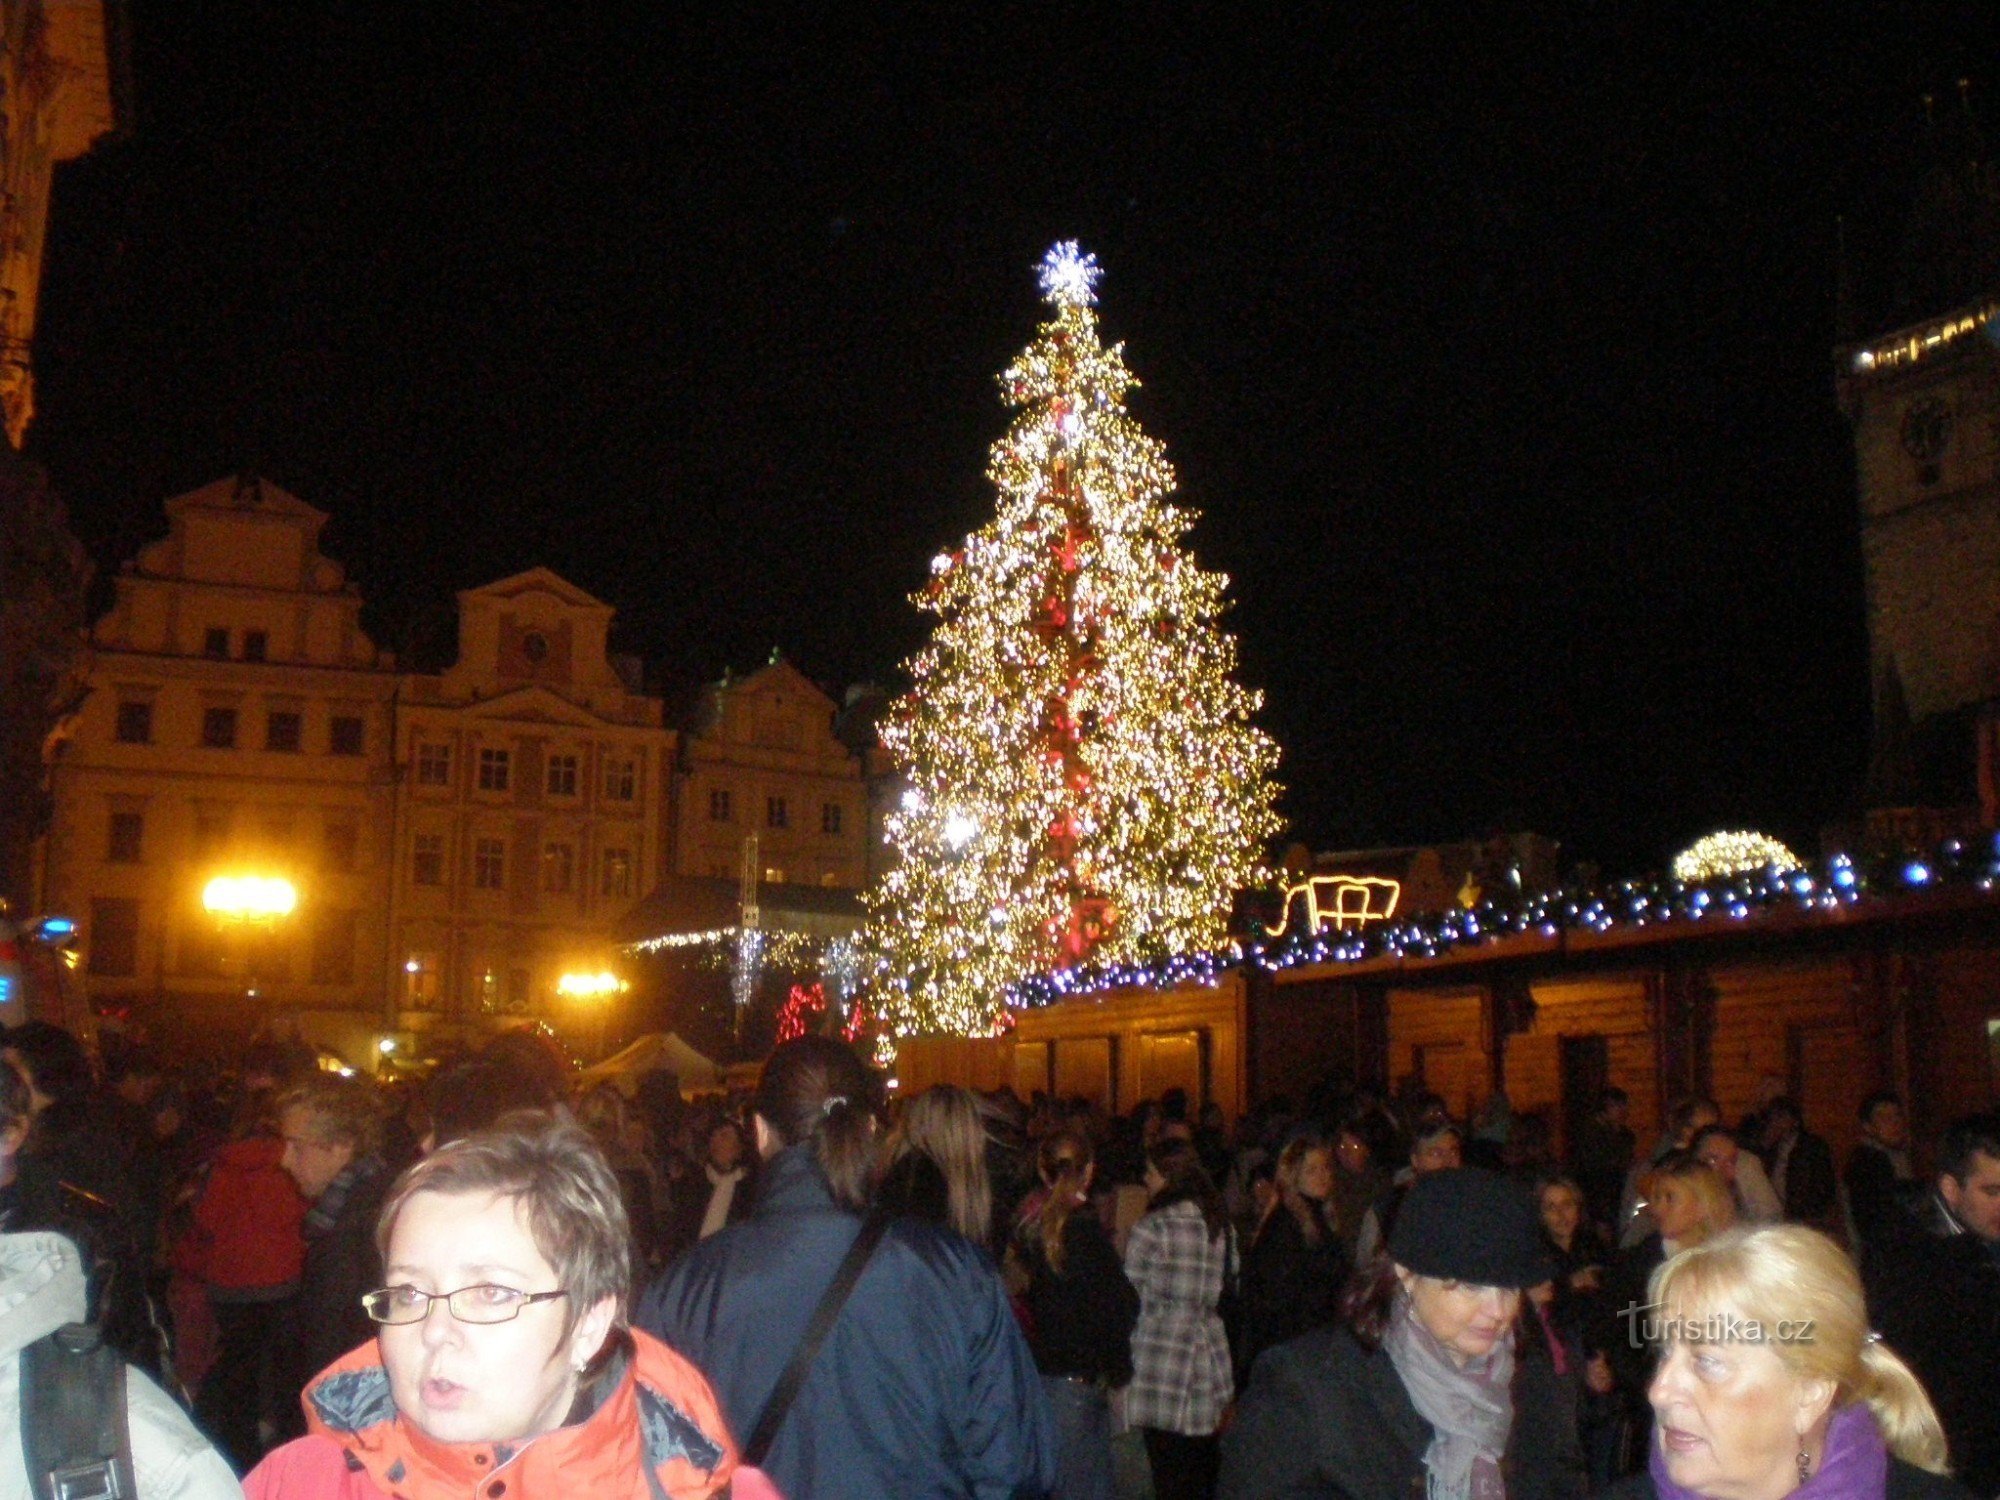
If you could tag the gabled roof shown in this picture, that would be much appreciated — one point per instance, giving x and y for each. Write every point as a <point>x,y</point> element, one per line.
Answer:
<point>246,492</point>
<point>531,701</point>
<point>536,580</point>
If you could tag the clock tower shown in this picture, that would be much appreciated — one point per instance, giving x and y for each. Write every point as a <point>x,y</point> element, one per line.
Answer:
<point>1923,396</point>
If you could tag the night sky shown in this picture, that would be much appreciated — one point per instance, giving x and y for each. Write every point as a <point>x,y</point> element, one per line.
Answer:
<point>1496,355</point>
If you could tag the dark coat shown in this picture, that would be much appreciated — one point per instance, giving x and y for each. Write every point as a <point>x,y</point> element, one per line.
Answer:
<point>1906,1482</point>
<point>1080,1319</point>
<point>341,1264</point>
<point>1876,1197</point>
<point>925,1386</point>
<point>1935,1296</point>
<point>1290,1287</point>
<point>1324,1417</point>
<point>1812,1192</point>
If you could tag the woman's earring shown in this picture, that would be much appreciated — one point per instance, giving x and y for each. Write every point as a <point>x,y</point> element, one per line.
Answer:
<point>1805,1466</point>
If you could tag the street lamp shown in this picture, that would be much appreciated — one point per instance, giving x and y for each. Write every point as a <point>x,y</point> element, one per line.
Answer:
<point>246,903</point>
<point>600,985</point>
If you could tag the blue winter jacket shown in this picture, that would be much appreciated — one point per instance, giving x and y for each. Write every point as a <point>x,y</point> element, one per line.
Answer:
<point>925,1387</point>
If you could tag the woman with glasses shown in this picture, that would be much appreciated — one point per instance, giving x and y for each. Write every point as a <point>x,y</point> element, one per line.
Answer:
<point>503,1364</point>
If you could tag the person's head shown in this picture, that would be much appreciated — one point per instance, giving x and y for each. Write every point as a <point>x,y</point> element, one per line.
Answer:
<point>529,1207</point>
<point>1350,1150</point>
<point>1305,1168</point>
<point>474,1092</point>
<point>1714,1147</point>
<point>327,1121</point>
<point>944,1123</point>
<point>1613,1106</point>
<point>1435,1147</point>
<point>1064,1163</point>
<point>1969,1174</point>
<point>1688,1115</point>
<point>1688,1199</point>
<point>1782,1120</point>
<point>1882,1119</point>
<point>1465,1245</point>
<point>1732,1414</point>
<point>724,1146</point>
<point>17,1113</point>
<point>1174,1174</point>
<point>815,1092</point>
<point>1560,1203</point>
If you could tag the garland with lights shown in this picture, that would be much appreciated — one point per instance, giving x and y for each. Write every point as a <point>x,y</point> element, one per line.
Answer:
<point>1628,905</point>
<point>1085,780</point>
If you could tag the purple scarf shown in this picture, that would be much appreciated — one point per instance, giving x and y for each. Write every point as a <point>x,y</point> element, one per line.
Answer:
<point>1855,1465</point>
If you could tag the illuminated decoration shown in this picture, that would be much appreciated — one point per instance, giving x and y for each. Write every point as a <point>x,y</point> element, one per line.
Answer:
<point>682,940</point>
<point>1723,854</point>
<point>1355,901</point>
<point>743,977</point>
<point>589,986</point>
<point>1926,339</point>
<point>804,1000</point>
<point>249,898</point>
<point>1553,918</point>
<point>1085,780</point>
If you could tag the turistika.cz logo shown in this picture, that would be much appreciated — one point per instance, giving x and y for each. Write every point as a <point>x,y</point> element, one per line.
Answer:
<point>1649,1323</point>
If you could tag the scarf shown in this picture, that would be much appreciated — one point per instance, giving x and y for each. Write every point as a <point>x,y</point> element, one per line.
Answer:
<point>721,1194</point>
<point>325,1213</point>
<point>1470,1407</point>
<point>1855,1465</point>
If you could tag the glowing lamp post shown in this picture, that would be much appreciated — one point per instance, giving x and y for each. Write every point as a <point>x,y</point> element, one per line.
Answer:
<point>248,903</point>
<point>601,985</point>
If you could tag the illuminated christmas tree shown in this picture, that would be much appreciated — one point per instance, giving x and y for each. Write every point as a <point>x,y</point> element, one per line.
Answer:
<point>1085,781</point>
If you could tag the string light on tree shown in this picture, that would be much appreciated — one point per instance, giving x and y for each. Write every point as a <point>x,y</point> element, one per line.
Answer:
<point>1086,781</point>
<point>1724,854</point>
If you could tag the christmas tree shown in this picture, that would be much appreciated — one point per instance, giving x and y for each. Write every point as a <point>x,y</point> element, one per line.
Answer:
<point>1085,781</point>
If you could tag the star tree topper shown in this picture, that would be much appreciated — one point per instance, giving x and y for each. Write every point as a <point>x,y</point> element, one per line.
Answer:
<point>1069,277</point>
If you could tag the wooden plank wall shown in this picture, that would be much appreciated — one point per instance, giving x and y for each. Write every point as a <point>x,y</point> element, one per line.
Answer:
<point>1441,1033</point>
<point>975,1062</point>
<point>1793,1022</point>
<point>1617,1007</point>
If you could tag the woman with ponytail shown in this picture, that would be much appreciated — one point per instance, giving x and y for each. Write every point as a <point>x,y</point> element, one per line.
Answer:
<point>922,1384</point>
<point>1770,1384</point>
<point>1080,1311</point>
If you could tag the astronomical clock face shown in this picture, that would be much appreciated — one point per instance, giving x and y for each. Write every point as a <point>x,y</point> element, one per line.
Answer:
<point>1926,433</point>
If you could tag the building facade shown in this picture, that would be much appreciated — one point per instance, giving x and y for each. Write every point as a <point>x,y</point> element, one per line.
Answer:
<point>238,719</point>
<point>534,781</point>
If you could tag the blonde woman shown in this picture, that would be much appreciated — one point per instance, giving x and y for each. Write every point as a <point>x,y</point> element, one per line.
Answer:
<point>1770,1384</point>
<point>937,1163</point>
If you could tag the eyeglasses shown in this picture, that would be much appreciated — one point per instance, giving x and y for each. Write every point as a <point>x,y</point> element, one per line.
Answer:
<point>484,1303</point>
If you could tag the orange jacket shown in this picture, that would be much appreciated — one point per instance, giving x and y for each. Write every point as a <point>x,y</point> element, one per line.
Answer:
<point>659,1411</point>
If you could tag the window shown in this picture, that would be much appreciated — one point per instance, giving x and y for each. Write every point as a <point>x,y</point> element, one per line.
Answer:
<point>211,832</point>
<point>282,729</point>
<point>218,728</point>
<point>776,814</point>
<point>420,980</point>
<point>718,805</point>
<point>256,644</point>
<point>433,765</point>
<point>562,776</point>
<point>558,868</point>
<point>427,859</point>
<point>829,817</point>
<point>341,845</point>
<point>343,734</point>
<point>773,875</point>
<point>215,643</point>
<point>617,872</point>
<point>489,992</point>
<point>135,722</point>
<point>495,767</point>
<point>127,829</point>
<point>621,780</point>
<point>517,992</point>
<point>489,865</point>
<point>333,947</point>
<point>114,937</point>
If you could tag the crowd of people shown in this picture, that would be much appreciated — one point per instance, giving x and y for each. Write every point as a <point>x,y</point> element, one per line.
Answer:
<point>818,1289</point>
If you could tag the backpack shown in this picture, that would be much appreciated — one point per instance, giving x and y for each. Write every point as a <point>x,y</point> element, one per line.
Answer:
<point>74,1432</point>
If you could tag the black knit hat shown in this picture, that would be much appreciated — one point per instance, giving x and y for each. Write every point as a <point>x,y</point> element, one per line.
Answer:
<point>1468,1224</point>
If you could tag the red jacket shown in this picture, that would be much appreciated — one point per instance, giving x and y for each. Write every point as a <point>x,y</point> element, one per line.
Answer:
<point>246,1222</point>
<point>659,1411</point>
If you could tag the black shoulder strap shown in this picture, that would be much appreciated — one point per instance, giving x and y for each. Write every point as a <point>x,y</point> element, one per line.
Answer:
<point>74,1433</point>
<point>872,1230</point>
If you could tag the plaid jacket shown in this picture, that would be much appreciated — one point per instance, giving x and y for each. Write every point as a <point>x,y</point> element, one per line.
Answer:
<point>1180,1354</point>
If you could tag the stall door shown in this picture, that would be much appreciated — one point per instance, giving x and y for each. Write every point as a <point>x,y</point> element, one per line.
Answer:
<point>1170,1060</point>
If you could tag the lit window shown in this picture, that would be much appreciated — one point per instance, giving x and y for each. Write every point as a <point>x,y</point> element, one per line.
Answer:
<point>344,734</point>
<point>718,805</point>
<point>433,765</point>
<point>127,831</point>
<point>776,814</point>
<point>218,728</point>
<point>282,729</point>
<point>558,868</point>
<point>621,780</point>
<point>489,865</point>
<point>135,723</point>
<point>420,980</point>
<point>495,767</point>
<point>427,859</point>
<point>617,872</point>
<point>562,776</point>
